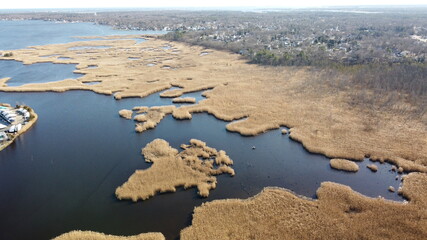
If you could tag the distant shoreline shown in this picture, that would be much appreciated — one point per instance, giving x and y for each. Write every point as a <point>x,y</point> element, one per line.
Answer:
<point>188,8</point>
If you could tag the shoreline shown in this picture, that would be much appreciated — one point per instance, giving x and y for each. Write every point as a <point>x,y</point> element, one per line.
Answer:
<point>228,74</point>
<point>337,213</point>
<point>336,207</point>
<point>24,129</point>
<point>267,99</point>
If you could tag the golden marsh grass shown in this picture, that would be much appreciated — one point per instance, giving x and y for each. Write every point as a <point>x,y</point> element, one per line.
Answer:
<point>171,169</point>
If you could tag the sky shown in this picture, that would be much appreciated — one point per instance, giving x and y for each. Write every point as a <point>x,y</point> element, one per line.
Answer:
<point>20,4</point>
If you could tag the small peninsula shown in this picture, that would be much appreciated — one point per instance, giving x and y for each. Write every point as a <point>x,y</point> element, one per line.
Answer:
<point>14,122</point>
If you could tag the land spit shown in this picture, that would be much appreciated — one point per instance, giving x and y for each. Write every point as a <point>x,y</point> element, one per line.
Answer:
<point>195,166</point>
<point>88,235</point>
<point>32,119</point>
<point>124,113</point>
<point>344,165</point>
<point>184,100</point>
<point>262,98</point>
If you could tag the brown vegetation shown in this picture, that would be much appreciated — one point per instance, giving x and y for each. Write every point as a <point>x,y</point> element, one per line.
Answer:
<point>338,213</point>
<point>152,117</point>
<point>276,213</point>
<point>328,115</point>
<point>318,110</point>
<point>373,167</point>
<point>124,113</point>
<point>5,105</point>
<point>344,165</point>
<point>88,235</point>
<point>195,166</point>
<point>140,109</point>
<point>140,118</point>
<point>184,100</point>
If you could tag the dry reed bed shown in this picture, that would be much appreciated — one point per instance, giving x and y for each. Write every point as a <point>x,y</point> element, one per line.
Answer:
<point>338,213</point>
<point>267,97</point>
<point>140,118</point>
<point>115,37</point>
<point>152,117</point>
<point>373,167</point>
<point>125,113</point>
<point>195,166</point>
<point>344,165</point>
<point>140,109</point>
<point>89,235</point>
<point>184,100</point>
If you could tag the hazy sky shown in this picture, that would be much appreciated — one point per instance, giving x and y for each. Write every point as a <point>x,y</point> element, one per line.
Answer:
<point>12,4</point>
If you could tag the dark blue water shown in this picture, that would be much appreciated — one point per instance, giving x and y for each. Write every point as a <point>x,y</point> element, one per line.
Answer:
<point>61,175</point>
<point>35,73</point>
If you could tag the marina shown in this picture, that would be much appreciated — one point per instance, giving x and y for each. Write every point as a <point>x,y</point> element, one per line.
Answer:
<point>16,121</point>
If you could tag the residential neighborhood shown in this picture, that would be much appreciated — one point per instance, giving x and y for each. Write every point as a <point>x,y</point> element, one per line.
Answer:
<point>286,37</point>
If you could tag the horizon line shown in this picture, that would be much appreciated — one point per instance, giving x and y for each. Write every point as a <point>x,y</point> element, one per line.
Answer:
<point>221,7</point>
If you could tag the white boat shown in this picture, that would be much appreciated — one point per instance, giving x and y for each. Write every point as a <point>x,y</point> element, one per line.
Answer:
<point>12,129</point>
